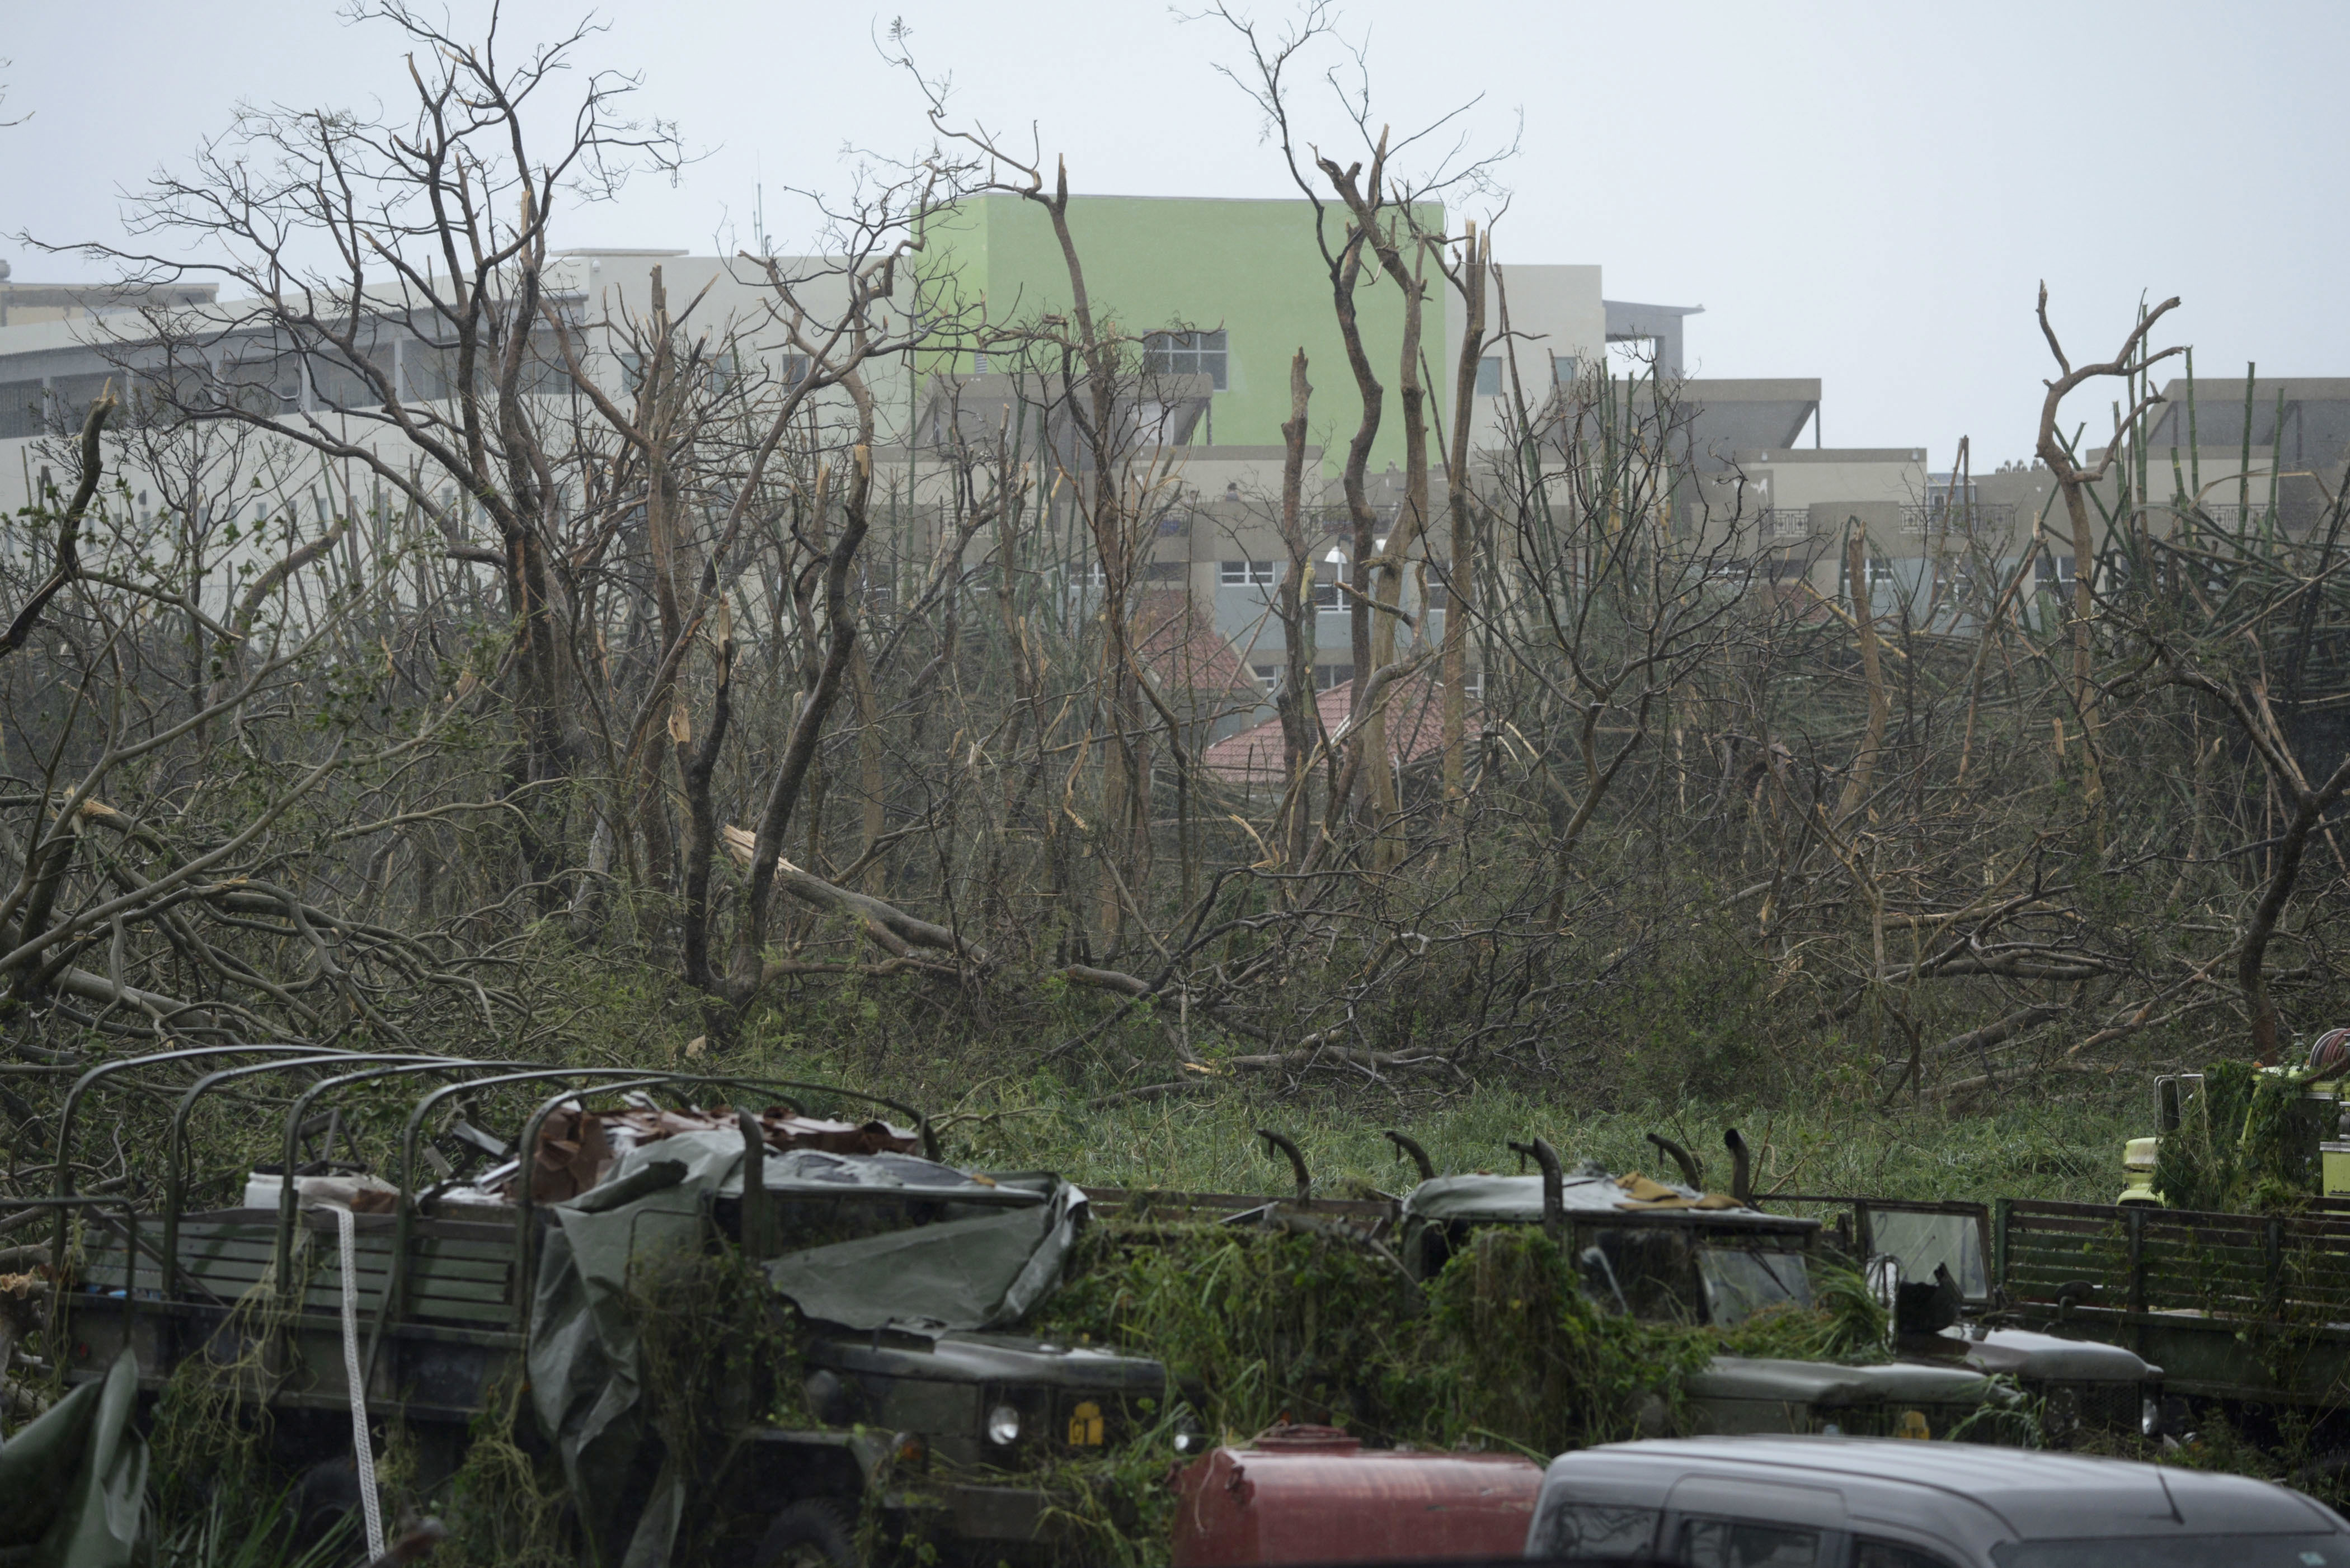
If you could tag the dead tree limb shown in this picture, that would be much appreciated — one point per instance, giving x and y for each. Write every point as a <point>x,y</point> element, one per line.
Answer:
<point>68,560</point>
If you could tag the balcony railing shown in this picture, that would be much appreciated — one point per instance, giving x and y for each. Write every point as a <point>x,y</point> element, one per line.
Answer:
<point>1995,517</point>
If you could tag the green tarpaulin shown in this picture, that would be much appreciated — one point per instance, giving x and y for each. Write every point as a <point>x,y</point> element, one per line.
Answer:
<point>73,1483</point>
<point>982,1272</point>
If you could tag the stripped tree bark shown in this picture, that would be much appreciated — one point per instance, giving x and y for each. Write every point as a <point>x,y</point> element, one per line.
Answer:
<point>2075,482</point>
<point>65,558</point>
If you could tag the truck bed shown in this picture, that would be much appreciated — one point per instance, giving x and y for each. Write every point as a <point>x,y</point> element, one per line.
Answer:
<point>2244,1306</point>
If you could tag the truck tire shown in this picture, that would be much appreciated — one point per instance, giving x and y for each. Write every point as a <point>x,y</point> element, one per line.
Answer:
<point>325,1501</point>
<point>814,1533</point>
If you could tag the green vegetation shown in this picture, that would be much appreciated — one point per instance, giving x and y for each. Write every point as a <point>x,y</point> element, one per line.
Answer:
<point>756,728</point>
<point>2246,1143</point>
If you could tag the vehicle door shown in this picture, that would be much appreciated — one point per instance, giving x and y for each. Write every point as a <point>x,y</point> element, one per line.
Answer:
<point>1718,1521</point>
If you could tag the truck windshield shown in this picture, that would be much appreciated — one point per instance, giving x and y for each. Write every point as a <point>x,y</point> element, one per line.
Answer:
<point>1742,1280</point>
<point>1922,1240</point>
<point>2179,1551</point>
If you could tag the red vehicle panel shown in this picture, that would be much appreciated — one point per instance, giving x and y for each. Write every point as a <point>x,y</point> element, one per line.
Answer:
<point>1313,1494</point>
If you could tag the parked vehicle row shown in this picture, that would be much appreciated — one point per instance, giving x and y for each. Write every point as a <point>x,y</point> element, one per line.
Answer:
<point>1817,1502</point>
<point>477,1256</point>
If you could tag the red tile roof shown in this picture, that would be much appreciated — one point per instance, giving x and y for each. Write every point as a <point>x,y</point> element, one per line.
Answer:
<point>1415,729</point>
<point>1182,649</point>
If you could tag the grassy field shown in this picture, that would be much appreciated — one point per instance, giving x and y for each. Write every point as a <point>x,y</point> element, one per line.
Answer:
<point>2034,1146</point>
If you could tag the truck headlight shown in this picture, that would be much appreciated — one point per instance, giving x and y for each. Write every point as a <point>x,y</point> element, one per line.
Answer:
<point>1003,1425</point>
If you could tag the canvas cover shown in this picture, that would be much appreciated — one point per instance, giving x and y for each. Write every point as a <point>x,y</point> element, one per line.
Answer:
<point>73,1483</point>
<point>982,1272</point>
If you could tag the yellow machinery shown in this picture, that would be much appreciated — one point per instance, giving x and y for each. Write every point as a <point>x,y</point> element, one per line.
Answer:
<point>2137,1171</point>
<point>2180,1094</point>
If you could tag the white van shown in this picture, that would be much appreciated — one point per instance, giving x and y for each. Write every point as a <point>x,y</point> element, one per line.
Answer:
<point>1871,1502</point>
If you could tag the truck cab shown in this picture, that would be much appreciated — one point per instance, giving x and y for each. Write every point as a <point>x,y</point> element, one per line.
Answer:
<point>1674,1254</point>
<point>898,1281</point>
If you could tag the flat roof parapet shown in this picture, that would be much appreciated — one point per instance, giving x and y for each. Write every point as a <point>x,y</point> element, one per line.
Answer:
<point>1832,454</point>
<point>1782,388</point>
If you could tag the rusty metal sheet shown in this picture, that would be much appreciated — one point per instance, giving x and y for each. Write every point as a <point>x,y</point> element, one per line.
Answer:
<point>577,1148</point>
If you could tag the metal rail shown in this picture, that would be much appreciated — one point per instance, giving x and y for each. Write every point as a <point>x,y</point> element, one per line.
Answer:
<point>289,1200</point>
<point>525,1203</point>
<point>475,1074</point>
<point>65,1205</point>
<point>604,1080</point>
<point>176,1143</point>
<point>81,1085</point>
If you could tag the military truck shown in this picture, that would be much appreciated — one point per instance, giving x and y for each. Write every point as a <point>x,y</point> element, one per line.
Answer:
<point>2247,1310</point>
<point>1676,1252</point>
<point>2308,1130</point>
<point>345,1294</point>
<point>1933,1261</point>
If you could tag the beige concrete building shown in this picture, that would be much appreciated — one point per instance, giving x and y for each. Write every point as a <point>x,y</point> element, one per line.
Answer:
<point>1763,485</point>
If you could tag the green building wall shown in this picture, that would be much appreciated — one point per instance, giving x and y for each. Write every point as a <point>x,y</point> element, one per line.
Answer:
<point>1155,263</point>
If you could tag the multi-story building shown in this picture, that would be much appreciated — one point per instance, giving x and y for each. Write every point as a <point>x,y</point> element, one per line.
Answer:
<point>1214,299</point>
<point>1218,295</point>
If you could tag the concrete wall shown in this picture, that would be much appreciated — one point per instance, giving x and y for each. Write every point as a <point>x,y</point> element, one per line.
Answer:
<point>1800,477</point>
<point>1558,309</point>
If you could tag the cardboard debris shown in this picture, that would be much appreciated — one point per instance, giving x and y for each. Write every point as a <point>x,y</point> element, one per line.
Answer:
<point>577,1148</point>
<point>1639,1192</point>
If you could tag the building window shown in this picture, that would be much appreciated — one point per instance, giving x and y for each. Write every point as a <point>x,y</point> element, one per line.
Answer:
<point>1268,676</point>
<point>1880,575</point>
<point>1562,370</point>
<point>1327,676</point>
<point>1166,571</point>
<point>1489,376</point>
<point>1438,596</point>
<point>2054,572</point>
<point>1244,574</point>
<point>1185,354</point>
<point>340,384</point>
<point>794,369</point>
<point>22,405</point>
<point>1327,579</point>
<point>978,364</point>
<point>272,384</point>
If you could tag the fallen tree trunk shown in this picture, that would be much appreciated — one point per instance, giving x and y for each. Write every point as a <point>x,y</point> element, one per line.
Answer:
<point>890,926</point>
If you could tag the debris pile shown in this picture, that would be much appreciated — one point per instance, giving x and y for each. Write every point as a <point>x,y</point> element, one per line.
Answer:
<point>577,1148</point>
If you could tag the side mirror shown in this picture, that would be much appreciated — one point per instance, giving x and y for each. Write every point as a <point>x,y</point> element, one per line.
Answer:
<point>1926,1306</point>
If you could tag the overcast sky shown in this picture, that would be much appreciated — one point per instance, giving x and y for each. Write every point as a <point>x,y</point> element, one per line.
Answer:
<point>1867,193</point>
